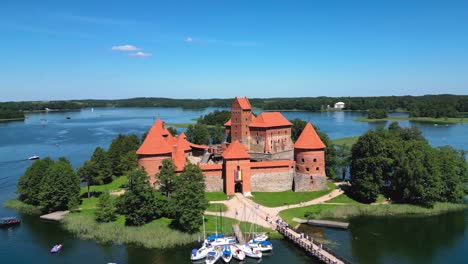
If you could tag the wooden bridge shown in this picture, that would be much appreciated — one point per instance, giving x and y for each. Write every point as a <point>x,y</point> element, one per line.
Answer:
<point>238,233</point>
<point>323,254</point>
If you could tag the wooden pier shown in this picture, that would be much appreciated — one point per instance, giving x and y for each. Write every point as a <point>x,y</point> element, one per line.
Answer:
<point>55,216</point>
<point>324,223</point>
<point>238,233</point>
<point>323,254</point>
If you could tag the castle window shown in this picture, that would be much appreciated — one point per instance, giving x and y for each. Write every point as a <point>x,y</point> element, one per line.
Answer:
<point>302,160</point>
<point>297,167</point>
<point>257,141</point>
<point>307,169</point>
<point>315,160</point>
<point>317,168</point>
<point>159,167</point>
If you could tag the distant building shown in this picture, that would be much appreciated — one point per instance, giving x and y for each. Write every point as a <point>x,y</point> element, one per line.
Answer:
<point>258,155</point>
<point>339,105</point>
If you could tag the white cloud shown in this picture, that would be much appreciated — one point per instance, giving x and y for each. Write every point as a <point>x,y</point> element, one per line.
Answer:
<point>189,39</point>
<point>125,48</point>
<point>141,54</point>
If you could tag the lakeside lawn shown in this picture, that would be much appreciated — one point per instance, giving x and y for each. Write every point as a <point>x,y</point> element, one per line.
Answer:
<point>275,199</point>
<point>217,207</point>
<point>446,120</point>
<point>347,141</point>
<point>216,196</point>
<point>114,186</point>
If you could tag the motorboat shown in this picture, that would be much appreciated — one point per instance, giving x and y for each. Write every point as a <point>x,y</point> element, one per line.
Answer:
<point>56,248</point>
<point>250,252</point>
<point>213,256</point>
<point>260,237</point>
<point>9,221</point>
<point>227,254</point>
<point>35,157</point>
<point>237,253</point>
<point>198,254</point>
<point>262,246</point>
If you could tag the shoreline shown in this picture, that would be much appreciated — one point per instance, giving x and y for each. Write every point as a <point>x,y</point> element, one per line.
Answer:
<point>448,120</point>
<point>13,119</point>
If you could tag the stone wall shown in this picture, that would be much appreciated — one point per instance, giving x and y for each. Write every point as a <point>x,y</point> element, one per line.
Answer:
<point>306,183</point>
<point>284,155</point>
<point>214,183</point>
<point>272,181</point>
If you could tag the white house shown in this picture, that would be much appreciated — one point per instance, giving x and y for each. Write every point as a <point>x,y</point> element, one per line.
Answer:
<point>339,105</point>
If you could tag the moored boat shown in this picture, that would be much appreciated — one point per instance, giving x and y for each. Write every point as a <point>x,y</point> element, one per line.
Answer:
<point>250,252</point>
<point>264,246</point>
<point>213,256</point>
<point>237,253</point>
<point>260,237</point>
<point>56,248</point>
<point>198,254</point>
<point>227,254</point>
<point>9,221</point>
<point>35,157</point>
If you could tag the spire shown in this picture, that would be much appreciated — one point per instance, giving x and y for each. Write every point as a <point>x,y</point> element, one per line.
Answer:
<point>309,139</point>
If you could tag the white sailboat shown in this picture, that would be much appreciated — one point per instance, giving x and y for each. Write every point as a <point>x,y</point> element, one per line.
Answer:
<point>260,237</point>
<point>237,253</point>
<point>264,246</point>
<point>227,254</point>
<point>213,256</point>
<point>250,252</point>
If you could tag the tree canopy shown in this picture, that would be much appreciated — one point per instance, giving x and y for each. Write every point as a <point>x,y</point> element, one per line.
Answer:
<point>118,149</point>
<point>377,113</point>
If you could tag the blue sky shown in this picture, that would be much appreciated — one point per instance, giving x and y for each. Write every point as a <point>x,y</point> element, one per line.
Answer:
<point>205,49</point>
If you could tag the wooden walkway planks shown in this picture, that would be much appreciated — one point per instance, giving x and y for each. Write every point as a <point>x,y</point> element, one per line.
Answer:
<point>238,233</point>
<point>55,216</point>
<point>321,253</point>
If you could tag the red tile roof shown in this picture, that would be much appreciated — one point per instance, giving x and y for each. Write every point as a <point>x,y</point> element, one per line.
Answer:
<point>309,139</point>
<point>182,142</point>
<point>228,123</point>
<point>155,142</point>
<point>206,167</point>
<point>243,102</point>
<point>236,151</point>
<point>269,119</point>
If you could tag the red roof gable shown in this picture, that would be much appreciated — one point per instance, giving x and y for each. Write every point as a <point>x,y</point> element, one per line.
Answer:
<point>309,139</point>
<point>236,151</point>
<point>182,142</point>
<point>243,102</point>
<point>155,142</point>
<point>228,123</point>
<point>269,119</point>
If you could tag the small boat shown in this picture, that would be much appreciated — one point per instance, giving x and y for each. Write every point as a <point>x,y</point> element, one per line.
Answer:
<point>9,221</point>
<point>227,254</point>
<point>35,157</point>
<point>213,256</point>
<point>68,117</point>
<point>250,252</point>
<point>237,253</point>
<point>56,248</point>
<point>198,254</point>
<point>259,238</point>
<point>262,246</point>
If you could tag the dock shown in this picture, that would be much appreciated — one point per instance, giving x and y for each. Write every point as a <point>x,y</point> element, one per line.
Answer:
<point>319,251</point>
<point>55,216</point>
<point>238,233</point>
<point>323,223</point>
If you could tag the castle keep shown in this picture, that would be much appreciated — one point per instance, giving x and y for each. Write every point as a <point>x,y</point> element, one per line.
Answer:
<point>258,155</point>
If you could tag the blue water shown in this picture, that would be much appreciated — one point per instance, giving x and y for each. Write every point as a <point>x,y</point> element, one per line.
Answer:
<point>52,134</point>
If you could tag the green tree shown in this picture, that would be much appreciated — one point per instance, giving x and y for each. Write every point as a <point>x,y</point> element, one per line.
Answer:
<point>377,113</point>
<point>120,146</point>
<point>89,173</point>
<point>188,199</point>
<point>29,186</point>
<point>140,204</point>
<point>343,155</point>
<point>167,177</point>
<point>330,154</point>
<point>216,134</point>
<point>59,186</point>
<point>104,166</point>
<point>173,131</point>
<point>370,166</point>
<point>198,134</point>
<point>454,172</point>
<point>105,209</point>
<point>128,162</point>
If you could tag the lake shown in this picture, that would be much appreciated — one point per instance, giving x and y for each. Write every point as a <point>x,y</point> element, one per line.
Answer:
<point>437,239</point>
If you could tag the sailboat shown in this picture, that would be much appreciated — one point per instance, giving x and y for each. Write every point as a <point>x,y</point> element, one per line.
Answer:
<point>237,253</point>
<point>262,246</point>
<point>213,256</point>
<point>250,252</point>
<point>260,237</point>
<point>227,254</point>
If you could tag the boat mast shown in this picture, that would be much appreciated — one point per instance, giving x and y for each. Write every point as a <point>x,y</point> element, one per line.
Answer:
<point>204,231</point>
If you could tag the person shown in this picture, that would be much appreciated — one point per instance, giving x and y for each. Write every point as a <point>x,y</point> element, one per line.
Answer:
<point>236,213</point>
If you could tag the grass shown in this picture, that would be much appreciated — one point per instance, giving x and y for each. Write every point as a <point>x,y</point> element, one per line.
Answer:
<point>443,120</point>
<point>115,185</point>
<point>21,207</point>
<point>216,196</point>
<point>275,199</point>
<point>345,212</point>
<point>347,141</point>
<point>225,226</point>
<point>343,198</point>
<point>216,207</point>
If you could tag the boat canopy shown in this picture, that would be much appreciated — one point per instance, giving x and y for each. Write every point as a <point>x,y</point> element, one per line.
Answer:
<point>266,242</point>
<point>212,253</point>
<point>211,238</point>
<point>194,251</point>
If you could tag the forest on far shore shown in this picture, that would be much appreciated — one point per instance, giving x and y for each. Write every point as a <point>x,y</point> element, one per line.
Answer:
<point>417,106</point>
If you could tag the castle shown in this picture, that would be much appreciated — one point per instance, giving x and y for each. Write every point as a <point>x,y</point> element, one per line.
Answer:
<point>257,156</point>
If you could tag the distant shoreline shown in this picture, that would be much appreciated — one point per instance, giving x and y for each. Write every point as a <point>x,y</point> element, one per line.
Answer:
<point>13,119</point>
<point>443,120</point>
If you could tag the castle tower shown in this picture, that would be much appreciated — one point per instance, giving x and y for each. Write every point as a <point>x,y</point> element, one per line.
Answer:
<point>236,169</point>
<point>309,154</point>
<point>241,114</point>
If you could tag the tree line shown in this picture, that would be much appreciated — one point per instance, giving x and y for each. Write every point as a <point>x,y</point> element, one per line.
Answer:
<point>377,113</point>
<point>10,114</point>
<point>417,106</point>
<point>400,164</point>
